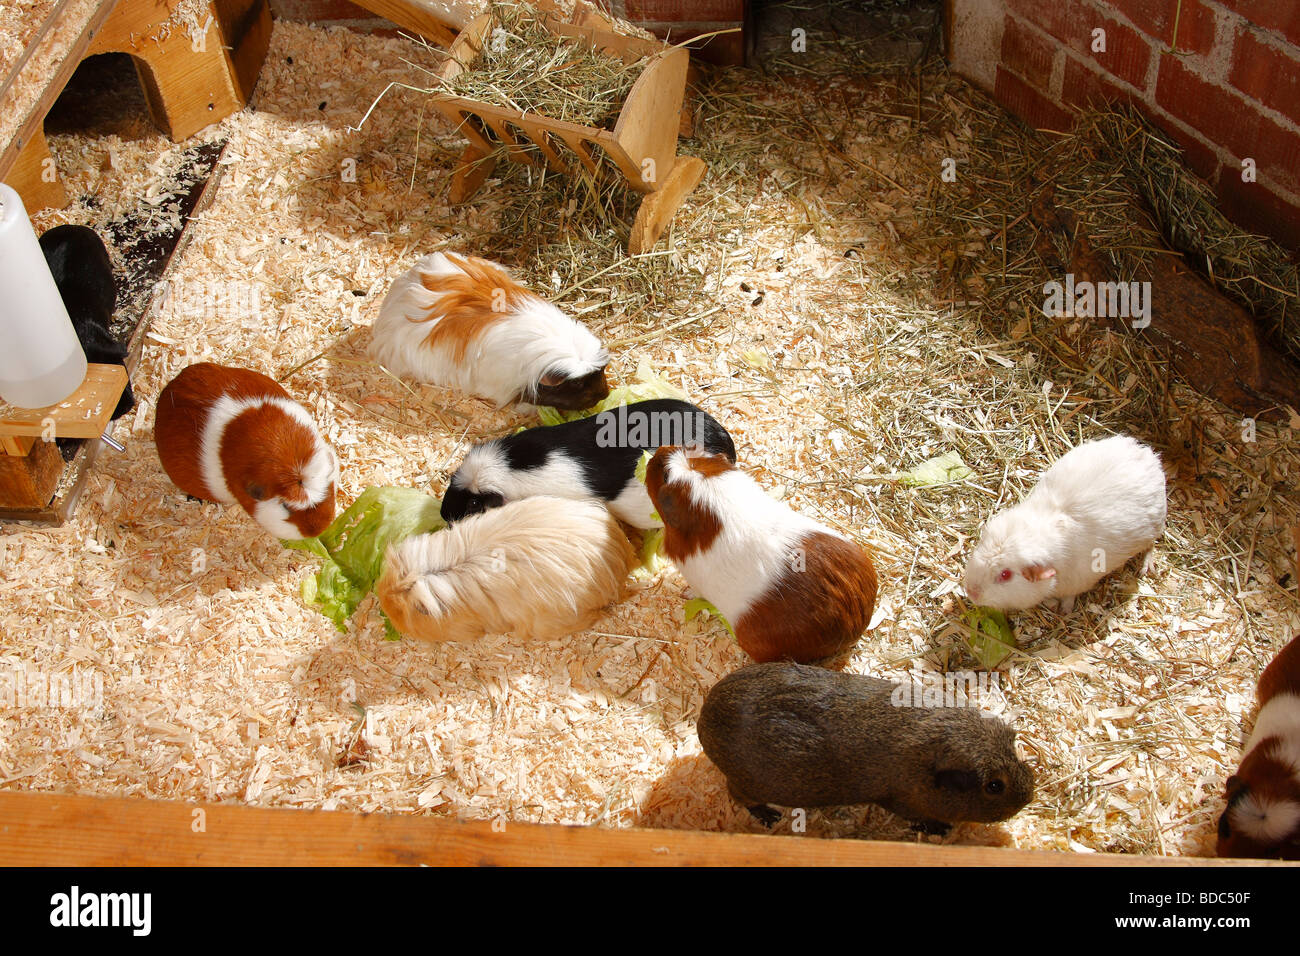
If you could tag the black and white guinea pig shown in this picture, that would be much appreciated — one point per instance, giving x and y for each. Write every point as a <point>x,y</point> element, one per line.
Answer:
<point>464,323</point>
<point>594,457</point>
<point>83,274</point>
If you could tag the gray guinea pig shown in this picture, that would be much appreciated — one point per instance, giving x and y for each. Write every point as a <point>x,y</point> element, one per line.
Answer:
<point>800,736</point>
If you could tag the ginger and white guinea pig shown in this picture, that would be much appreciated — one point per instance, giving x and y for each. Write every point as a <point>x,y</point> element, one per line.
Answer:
<point>808,737</point>
<point>593,457</point>
<point>1100,504</point>
<point>1262,819</point>
<point>234,435</point>
<point>463,322</point>
<point>791,588</point>
<point>542,568</point>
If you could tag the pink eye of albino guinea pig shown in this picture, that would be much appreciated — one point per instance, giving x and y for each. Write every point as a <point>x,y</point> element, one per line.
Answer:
<point>1005,575</point>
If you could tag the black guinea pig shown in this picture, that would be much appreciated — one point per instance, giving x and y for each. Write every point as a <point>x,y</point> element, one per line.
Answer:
<point>800,736</point>
<point>594,457</point>
<point>83,274</point>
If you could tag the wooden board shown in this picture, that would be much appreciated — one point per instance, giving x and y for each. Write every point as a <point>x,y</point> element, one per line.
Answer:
<point>29,480</point>
<point>83,414</point>
<point>45,829</point>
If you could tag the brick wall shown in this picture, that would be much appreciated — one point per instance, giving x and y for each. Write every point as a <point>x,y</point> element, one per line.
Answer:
<point>1226,86</point>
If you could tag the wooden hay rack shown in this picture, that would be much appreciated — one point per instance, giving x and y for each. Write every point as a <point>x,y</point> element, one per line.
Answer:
<point>642,144</point>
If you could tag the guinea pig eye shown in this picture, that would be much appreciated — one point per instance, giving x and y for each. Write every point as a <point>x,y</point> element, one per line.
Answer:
<point>1005,575</point>
<point>995,786</point>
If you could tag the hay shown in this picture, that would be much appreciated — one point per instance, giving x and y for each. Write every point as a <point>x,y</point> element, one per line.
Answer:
<point>525,67</point>
<point>812,299</point>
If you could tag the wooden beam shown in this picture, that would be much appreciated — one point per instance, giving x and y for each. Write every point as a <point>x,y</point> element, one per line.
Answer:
<point>47,829</point>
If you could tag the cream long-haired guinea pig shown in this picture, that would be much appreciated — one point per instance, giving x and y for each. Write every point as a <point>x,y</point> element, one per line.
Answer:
<point>463,322</point>
<point>1101,503</point>
<point>234,435</point>
<point>540,567</point>
<point>1262,819</point>
<point>791,588</point>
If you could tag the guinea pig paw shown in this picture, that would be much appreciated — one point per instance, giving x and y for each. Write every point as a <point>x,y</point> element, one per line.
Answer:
<point>1148,563</point>
<point>1066,604</point>
<point>931,827</point>
<point>768,816</point>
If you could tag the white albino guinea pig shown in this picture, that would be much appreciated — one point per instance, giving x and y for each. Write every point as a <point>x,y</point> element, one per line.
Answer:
<point>463,322</point>
<point>1099,505</point>
<point>540,567</point>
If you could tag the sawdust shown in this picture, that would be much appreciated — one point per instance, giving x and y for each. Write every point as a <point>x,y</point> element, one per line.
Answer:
<point>824,332</point>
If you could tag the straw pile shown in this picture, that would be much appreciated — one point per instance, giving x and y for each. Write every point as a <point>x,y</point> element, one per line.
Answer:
<point>841,309</point>
<point>525,67</point>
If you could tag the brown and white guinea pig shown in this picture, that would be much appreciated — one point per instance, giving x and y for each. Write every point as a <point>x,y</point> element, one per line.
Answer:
<point>1262,819</point>
<point>791,588</point>
<point>541,567</point>
<point>463,322</point>
<point>234,435</point>
<point>794,736</point>
<point>1100,504</point>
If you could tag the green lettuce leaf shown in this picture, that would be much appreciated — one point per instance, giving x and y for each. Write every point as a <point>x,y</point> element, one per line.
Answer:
<point>948,467</point>
<point>352,548</point>
<point>697,606</point>
<point>991,639</point>
<point>647,385</point>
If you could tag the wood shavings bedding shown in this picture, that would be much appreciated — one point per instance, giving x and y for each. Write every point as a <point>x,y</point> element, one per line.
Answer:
<point>833,355</point>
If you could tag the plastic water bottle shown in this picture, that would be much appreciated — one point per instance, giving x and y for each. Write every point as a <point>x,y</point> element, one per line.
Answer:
<point>41,361</point>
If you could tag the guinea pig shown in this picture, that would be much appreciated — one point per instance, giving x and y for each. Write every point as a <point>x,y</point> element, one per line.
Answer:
<point>463,322</point>
<point>542,568</point>
<point>234,435</point>
<point>791,588</point>
<point>798,736</point>
<point>593,457</point>
<point>83,274</point>
<point>1101,503</point>
<point>1262,819</point>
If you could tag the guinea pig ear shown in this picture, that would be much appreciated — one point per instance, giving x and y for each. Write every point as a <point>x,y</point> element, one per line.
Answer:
<point>256,492</point>
<point>963,781</point>
<point>1037,572</point>
<point>553,379</point>
<point>674,504</point>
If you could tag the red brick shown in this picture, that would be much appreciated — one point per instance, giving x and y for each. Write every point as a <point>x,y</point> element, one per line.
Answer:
<point>1280,15</point>
<point>1276,152</point>
<point>1085,85</point>
<point>1253,206</point>
<point>1128,52</point>
<point>1063,19</point>
<point>1221,116</point>
<point>1266,73</point>
<point>1156,18</point>
<point>692,10</point>
<point>1030,104</point>
<point>1026,52</point>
